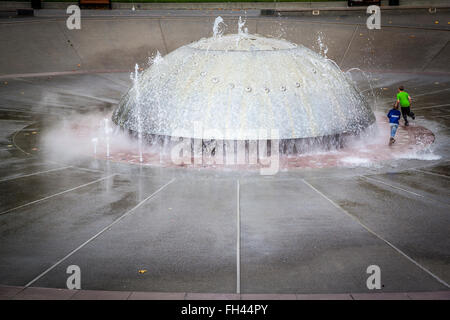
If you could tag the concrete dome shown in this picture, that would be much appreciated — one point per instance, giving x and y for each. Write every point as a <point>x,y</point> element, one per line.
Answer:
<point>237,83</point>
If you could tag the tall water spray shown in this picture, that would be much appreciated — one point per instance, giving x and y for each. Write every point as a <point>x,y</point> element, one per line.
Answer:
<point>217,31</point>
<point>137,98</point>
<point>95,141</point>
<point>107,132</point>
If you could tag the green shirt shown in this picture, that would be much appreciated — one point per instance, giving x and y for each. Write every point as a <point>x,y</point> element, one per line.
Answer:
<point>402,96</point>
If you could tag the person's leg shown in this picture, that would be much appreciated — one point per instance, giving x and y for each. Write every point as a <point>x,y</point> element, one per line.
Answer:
<point>409,113</point>
<point>394,128</point>
<point>405,112</point>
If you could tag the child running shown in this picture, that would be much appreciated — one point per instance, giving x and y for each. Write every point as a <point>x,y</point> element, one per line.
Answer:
<point>394,117</point>
<point>404,100</point>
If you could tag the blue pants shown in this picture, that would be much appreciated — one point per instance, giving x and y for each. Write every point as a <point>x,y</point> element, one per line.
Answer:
<point>394,127</point>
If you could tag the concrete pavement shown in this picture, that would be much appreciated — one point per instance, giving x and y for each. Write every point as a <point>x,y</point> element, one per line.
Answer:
<point>300,232</point>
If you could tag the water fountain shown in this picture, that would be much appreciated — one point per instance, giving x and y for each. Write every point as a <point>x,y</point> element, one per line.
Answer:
<point>240,101</point>
<point>232,86</point>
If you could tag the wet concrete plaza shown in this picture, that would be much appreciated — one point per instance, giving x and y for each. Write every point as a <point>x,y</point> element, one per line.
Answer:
<point>305,230</point>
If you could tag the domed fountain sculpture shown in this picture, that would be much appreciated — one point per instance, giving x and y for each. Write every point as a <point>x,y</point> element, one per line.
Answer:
<point>237,83</point>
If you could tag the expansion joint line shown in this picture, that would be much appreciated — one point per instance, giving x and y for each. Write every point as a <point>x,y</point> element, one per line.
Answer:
<point>394,187</point>
<point>35,173</point>
<point>432,173</point>
<point>403,190</point>
<point>378,236</point>
<point>129,212</point>
<point>56,194</point>
<point>349,45</point>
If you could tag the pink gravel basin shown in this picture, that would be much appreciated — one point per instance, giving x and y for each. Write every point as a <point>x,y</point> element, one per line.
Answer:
<point>369,150</point>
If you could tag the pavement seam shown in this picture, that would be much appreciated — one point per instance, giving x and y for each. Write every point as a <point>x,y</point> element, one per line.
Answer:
<point>35,173</point>
<point>429,93</point>
<point>378,236</point>
<point>99,233</point>
<point>405,190</point>
<point>56,194</point>
<point>17,132</point>
<point>432,173</point>
<point>23,111</point>
<point>162,36</point>
<point>66,36</point>
<point>348,47</point>
<point>427,63</point>
<point>129,295</point>
<point>395,187</point>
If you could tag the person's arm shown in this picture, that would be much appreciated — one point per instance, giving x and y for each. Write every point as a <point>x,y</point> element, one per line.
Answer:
<point>410,100</point>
